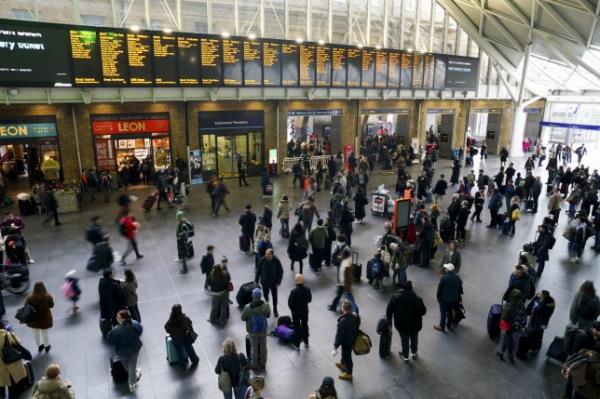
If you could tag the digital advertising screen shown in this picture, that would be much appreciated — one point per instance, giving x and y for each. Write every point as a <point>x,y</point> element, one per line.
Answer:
<point>233,67</point>
<point>85,57</point>
<point>338,66</point>
<point>271,63</point>
<point>188,50</point>
<point>139,56</point>
<point>252,63</point>
<point>289,64</point>
<point>210,64</point>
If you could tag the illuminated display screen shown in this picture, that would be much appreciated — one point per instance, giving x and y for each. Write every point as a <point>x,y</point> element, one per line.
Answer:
<point>113,57</point>
<point>338,66</point>
<point>252,63</point>
<point>381,68</point>
<point>368,68</point>
<point>85,57</point>
<point>210,61</point>
<point>233,70</point>
<point>165,60</point>
<point>188,49</point>
<point>271,63</point>
<point>139,52</point>
<point>289,64</point>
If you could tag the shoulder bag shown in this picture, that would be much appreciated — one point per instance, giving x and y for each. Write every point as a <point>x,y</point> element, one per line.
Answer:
<point>10,354</point>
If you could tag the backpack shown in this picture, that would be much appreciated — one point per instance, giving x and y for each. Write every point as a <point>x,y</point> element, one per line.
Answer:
<point>576,367</point>
<point>68,290</point>
<point>520,320</point>
<point>258,323</point>
<point>123,229</point>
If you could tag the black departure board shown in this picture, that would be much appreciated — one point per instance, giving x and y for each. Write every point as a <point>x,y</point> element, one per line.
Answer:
<point>86,57</point>
<point>139,56</point>
<point>253,63</point>
<point>307,65</point>
<point>406,67</point>
<point>417,77</point>
<point>354,65</point>
<point>462,73</point>
<point>323,66</point>
<point>381,68</point>
<point>439,76</point>
<point>165,60</point>
<point>271,63</point>
<point>394,60</point>
<point>210,64</point>
<point>368,68</point>
<point>113,57</point>
<point>188,49</point>
<point>428,70</point>
<point>233,69</point>
<point>289,64</point>
<point>338,66</point>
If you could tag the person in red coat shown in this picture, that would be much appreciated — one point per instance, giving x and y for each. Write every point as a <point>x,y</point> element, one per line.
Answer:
<point>128,228</point>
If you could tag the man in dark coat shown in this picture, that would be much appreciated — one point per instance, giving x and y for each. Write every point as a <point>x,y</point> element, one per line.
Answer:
<point>426,241</point>
<point>111,297</point>
<point>536,190</point>
<point>541,247</point>
<point>494,206</point>
<point>448,295</point>
<point>95,233</point>
<point>298,301</point>
<point>346,333</point>
<point>478,201</point>
<point>509,172</point>
<point>248,222</point>
<point>519,280</point>
<point>270,273</point>
<point>406,309</point>
<point>439,190</point>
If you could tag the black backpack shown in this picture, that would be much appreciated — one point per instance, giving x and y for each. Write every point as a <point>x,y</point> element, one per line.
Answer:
<point>123,229</point>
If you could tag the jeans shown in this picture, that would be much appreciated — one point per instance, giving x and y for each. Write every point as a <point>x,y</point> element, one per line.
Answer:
<point>184,351</point>
<point>446,314</point>
<point>40,336</point>
<point>258,350</point>
<point>535,199</point>
<point>338,294</point>
<point>273,291</point>
<point>347,358</point>
<point>405,339</point>
<point>507,343</point>
<point>130,364</point>
<point>218,202</point>
<point>300,321</point>
<point>285,226</point>
<point>131,246</point>
<point>238,393</point>
<point>425,255</point>
<point>494,217</point>
<point>219,307</point>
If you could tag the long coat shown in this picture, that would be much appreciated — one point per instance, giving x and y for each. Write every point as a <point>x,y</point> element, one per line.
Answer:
<point>15,370</point>
<point>43,319</point>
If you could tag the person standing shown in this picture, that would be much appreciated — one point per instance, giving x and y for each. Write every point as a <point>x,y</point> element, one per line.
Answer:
<point>360,202</point>
<point>297,247</point>
<point>248,222</point>
<point>541,247</point>
<point>308,210</point>
<point>539,310</point>
<point>346,333</point>
<point>206,264</point>
<point>344,275</point>
<point>503,156</point>
<point>179,326</point>
<point>346,219</point>
<point>331,237</point>
<point>494,206</point>
<point>270,273</point>
<point>43,302</point>
<point>51,204</point>
<point>449,292</point>
<point>12,373</point>
<point>283,214</point>
<point>129,288</point>
<point>585,307</point>
<point>235,364</point>
<point>255,315</point>
<point>52,386</point>
<point>318,238</point>
<point>426,241</point>
<point>452,256</point>
<point>406,310</point>
<point>218,282</point>
<point>241,167</point>
<point>128,228</point>
<point>536,191</point>
<point>512,320</point>
<point>554,205</point>
<point>126,339</point>
<point>325,391</point>
<point>461,222</point>
<point>300,297</point>
<point>184,230</point>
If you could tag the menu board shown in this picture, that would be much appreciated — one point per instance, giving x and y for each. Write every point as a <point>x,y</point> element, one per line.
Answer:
<point>84,53</point>
<point>417,77</point>
<point>406,71</point>
<point>289,64</point>
<point>271,63</point>
<point>139,49</point>
<point>323,65</point>
<point>188,49</point>
<point>210,64</point>
<point>338,66</point>
<point>165,59</point>
<point>233,68</point>
<point>381,68</point>
<point>113,58</point>
<point>354,66</point>
<point>439,76</point>
<point>105,159</point>
<point>252,63</point>
<point>368,68</point>
<point>428,70</point>
<point>394,60</point>
<point>307,65</point>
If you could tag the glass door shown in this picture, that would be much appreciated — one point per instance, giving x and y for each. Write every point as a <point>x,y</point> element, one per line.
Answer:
<point>229,149</point>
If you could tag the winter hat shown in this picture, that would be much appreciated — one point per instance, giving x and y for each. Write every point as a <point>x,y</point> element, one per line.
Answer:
<point>299,279</point>
<point>256,293</point>
<point>449,267</point>
<point>71,273</point>
<point>327,382</point>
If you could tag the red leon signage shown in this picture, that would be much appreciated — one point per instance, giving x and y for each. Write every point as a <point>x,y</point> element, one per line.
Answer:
<point>131,126</point>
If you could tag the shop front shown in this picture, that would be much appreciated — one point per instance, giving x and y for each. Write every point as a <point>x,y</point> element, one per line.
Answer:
<point>320,129</point>
<point>131,140</point>
<point>383,122</point>
<point>29,149</point>
<point>439,127</point>
<point>484,126</point>
<point>230,138</point>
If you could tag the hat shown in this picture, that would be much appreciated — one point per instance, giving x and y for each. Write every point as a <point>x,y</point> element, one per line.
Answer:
<point>299,279</point>
<point>327,382</point>
<point>449,267</point>
<point>256,293</point>
<point>71,273</point>
<point>224,259</point>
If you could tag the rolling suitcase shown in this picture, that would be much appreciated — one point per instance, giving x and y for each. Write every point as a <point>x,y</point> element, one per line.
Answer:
<point>535,340</point>
<point>172,357</point>
<point>521,339</point>
<point>149,201</point>
<point>117,370</point>
<point>244,295</point>
<point>529,205</point>
<point>190,249</point>
<point>556,350</point>
<point>356,268</point>
<point>385,338</point>
<point>493,321</point>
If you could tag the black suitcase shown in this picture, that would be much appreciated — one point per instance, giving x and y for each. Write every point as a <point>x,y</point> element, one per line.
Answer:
<point>244,295</point>
<point>385,345</point>
<point>521,339</point>
<point>27,207</point>
<point>149,201</point>
<point>556,350</point>
<point>529,204</point>
<point>117,370</point>
<point>535,340</point>
<point>356,267</point>
<point>190,249</point>
<point>285,320</point>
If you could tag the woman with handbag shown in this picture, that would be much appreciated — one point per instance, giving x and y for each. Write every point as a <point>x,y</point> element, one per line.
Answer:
<point>43,302</point>
<point>11,371</point>
<point>129,287</point>
<point>181,330</point>
<point>233,370</point>
<point>218,282</point>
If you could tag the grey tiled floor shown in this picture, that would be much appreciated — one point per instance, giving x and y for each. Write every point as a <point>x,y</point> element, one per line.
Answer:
<point>459,364</point>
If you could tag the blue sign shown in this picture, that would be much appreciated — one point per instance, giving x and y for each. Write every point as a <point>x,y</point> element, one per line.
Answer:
<point>230,120</point>
<point>10,131</point>
<point>314,112</point>
<point>570,126</point>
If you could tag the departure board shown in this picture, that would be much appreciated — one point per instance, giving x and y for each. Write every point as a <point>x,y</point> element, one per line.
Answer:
<point>417,77</point>
<point>439,76</point>
<point>85,56</point>
<point>406,67</point>
<point>428,70</point>
<point>271,63</point>
<point>139,53</point>
<point>210,65</point>
<point>394,60</point>
<point>338,66</point>
<point>252,63</point>
<point>188,49</point>
<point>381,68</point>
<point>323,66</point>
<point>233,68</point>
<point>307,65</point>
<point>368,68</point>
<point>164,49</point>
<point>289,64</point>
<point>113,58</point>
<point>462,73</point>
<point>354,65</point>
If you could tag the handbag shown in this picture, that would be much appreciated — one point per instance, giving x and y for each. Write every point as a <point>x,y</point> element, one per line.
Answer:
<point>229,286</point>
<point>190,336</point>
<point>10,354</point>
<point>225,381</point>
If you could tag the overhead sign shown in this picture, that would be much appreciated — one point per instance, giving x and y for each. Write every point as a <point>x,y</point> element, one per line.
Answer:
<point>314,112</point>
<point>131,126</point>
<point>570,126</point>
<point>384,111</point>
<point>10,131</point>
<point>230,120</point>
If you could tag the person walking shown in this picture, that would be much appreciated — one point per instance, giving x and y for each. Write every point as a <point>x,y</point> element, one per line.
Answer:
<point>318,238</point>
<point>270,273</point>
<point>297,246</point>
<point>449,293</point>
<point>11,373</point>
<point>51,205</point>
<point>452,256</point>
<point>461,222</point>
<point>71,289</point>
<point>43,302</point>
<point>514,214</point>
<point>179,326</point>
<point>494,206</point>
<point>535,192</point>
<point>344,275</point>
<point>126,339</point>
<point>512,320</point>
<point>541,247</point>
<point>300,297</point>
<point>478,201</point>
<point>128,228</point>
<point>346,333</point>
<point>111,296</point>
<point>346,219</point>
<point>248,222</point>
<point>283,214</point>
<point>236,366</point>
<point>183,231</point>
<point>331,237</point>
<point>360,201</point>
<point>426,241</point>
<point>52,386</point>
<point>129,288</point>
<point>206,265</point>
<point>255,314</point>
<point>308,210</point>
<point>554,205</point>
<point>95,234</point>
<point>242,170</point>
<point>406,310</point>
<point>268,217</point>
<point>219,194</point>
<point>218,282</point>
<point>439,190</point>
<point>585,307</point>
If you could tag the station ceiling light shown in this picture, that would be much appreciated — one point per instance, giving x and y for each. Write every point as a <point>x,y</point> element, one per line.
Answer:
<point>134,28</point>
<point>321,42</point>
<point>251,36</point>
<point>299,40</point>
<point>378,47</point>
<point>359,45</point>
<point>168,31</point>
<point>225,34</point>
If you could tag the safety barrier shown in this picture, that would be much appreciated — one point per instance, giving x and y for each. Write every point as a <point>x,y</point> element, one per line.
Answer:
<point>289,162</point>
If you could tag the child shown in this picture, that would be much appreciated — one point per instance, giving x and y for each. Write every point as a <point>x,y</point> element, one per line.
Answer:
<point>71,289</point>
<point>257,384</point>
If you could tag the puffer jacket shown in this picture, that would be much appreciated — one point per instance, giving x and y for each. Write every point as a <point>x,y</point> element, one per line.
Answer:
<point>283,212</point>
<point>53,388</point>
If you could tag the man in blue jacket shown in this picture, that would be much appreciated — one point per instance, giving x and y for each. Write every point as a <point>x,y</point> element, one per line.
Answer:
<point>448,295</point>
<point>494,206</point>
<point>347,331</point>
<point>126,339</point>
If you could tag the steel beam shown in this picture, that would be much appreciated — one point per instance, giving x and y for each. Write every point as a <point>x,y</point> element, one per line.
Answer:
<point>402,24</point>
<point>147,13</point>
<point>262,18</point>
<point>178,12</point>
<point>386,22</point>
<point>126,14</point>
<point>308,20</point>
<point>349,37</point>
<point>368,27</point>
<point>431,26</point>
<point>593,28</point>
<point>114,13</point>
<point>445,35</point>
<point>209,18</point>
<point>417,26</point>
<point>286,18</point>
<point>330,21</point>
<point>573,33</point>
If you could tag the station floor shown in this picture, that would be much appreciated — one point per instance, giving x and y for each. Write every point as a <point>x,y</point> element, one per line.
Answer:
<point>459,364</point>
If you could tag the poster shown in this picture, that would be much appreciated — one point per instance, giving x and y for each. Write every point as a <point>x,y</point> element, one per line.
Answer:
<point>348,149</point>
<point>195,167</point>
